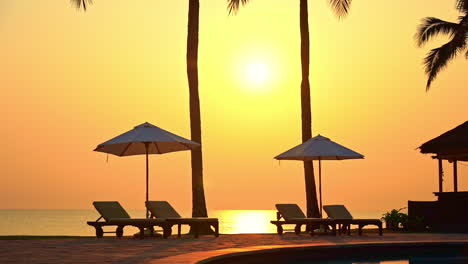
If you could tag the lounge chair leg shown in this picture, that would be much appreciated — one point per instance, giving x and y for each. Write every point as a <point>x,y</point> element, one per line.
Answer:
<point>196,229</point>
<point>279,229</point>
<point>119,231</point>
<point>167,231</point>
<point>349,229</point>
<point>380,230</point>
<point>179,230</point>
<point>216,228</point>
<point>297,229</point>
<point>360,230</point>
<point>334,229</point>
<point>142,232</point>
<point>99,231</point>
<point>312,233</point>
<point>344,229</point>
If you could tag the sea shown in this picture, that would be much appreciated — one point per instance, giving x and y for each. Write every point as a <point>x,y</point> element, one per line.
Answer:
<point>64,222</point>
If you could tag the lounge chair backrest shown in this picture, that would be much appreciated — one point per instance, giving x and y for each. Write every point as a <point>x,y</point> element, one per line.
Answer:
<point>338,211</point>
<point>161,209</point>
<point>110,210</point>
<point>289,211</point>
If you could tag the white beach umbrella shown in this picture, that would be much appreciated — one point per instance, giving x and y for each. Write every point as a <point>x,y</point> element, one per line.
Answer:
<point>146,139</point>
<point>319,148</point>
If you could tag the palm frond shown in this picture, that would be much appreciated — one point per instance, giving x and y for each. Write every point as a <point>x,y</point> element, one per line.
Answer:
<point>340,7</point>
<point>233,5</point>
<point>463,21</point>
<point>437,58</point>
<point>431,27</point>
<point>462,5</point>
<point>81,3</point>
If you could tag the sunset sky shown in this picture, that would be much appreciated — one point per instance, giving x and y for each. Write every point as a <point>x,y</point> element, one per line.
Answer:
<point>71,80</point>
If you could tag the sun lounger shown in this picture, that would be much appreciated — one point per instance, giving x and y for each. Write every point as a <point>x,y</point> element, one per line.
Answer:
<point>345,219</point>
<point>115,215</point>
<point>163,210</point>
<point>293,215</point>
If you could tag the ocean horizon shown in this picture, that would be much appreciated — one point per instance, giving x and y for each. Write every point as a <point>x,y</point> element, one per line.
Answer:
<point>72,222</point>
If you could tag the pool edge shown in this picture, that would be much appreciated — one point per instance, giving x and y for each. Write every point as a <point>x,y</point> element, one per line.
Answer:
<point>262,250</point>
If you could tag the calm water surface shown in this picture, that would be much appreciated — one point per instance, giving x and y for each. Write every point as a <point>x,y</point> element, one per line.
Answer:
<point>73,222</point>
<point>446,259</point>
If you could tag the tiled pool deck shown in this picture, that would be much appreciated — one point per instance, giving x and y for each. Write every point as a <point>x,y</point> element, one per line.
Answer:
<point>185,250</point>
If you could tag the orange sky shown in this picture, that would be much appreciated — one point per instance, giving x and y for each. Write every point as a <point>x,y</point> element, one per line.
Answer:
<point>71,80</point>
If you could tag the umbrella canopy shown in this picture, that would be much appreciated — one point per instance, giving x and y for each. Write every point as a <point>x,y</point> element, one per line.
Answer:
<point>146,139</point>
<point>319,148</point>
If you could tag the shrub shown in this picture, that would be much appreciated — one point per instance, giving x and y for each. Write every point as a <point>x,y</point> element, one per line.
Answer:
<point>395,219</point>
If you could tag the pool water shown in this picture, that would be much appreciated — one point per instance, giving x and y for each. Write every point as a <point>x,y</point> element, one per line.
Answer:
<point>413,260</point>
<point>399,255</point>
<point>383,253</point>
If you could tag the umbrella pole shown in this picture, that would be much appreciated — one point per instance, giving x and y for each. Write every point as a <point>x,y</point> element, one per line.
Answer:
<point>147,177</point>
<point>320,186</point>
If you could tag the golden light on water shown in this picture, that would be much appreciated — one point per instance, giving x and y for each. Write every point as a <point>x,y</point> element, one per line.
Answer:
<point>246,221</point>
<point>390,262</point>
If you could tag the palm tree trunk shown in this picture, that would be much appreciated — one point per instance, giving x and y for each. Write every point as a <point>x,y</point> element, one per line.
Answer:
<point>198,194</point>
<point>306,112</point>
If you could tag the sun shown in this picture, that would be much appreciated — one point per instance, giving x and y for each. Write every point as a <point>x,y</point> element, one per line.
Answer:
<point>256,70</point>
<point>257,73</point>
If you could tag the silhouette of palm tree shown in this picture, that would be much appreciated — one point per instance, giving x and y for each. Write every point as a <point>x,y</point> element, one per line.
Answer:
<point>81,3</point>
<point>341,8</point>
<point>198,192</point>
<point>437,58</point>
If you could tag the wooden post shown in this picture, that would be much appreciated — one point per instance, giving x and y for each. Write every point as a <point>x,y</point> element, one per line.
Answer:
<point>441,173</point>
<point>455,176</point>
<point>147,177</point>
<point>320,186</point>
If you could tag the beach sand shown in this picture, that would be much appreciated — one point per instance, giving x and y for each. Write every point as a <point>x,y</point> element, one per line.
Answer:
<point>174,250</point>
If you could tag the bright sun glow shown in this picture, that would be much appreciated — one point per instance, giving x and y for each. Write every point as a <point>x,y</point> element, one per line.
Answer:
<point>256,69</point>
<point>257,73</point>
<point>247,221</point>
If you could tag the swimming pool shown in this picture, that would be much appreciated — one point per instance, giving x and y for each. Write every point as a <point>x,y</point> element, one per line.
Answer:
<point>384,253</point>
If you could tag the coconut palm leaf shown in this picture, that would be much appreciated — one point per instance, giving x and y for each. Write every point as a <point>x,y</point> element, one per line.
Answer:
<point>431,27</point>
<point>233,5</point>
<point>81,3</point>
<point>462,5</point>
<point>340,7</point>
<point>437,58</point>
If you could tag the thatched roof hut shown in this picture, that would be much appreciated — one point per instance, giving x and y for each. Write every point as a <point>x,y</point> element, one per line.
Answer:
<point>452,145</point>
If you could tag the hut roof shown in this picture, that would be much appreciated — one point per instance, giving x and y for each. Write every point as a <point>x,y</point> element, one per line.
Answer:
<point>452,145</point>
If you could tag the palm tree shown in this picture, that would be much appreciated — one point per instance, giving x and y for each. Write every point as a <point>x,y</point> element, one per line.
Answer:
<point>198,192</point>
<point>341,8</point>
<point>437,58</point>
<point>81,3</point>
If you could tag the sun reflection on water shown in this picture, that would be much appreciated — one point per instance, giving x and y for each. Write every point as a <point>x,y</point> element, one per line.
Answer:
<point>245,221</point>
